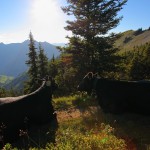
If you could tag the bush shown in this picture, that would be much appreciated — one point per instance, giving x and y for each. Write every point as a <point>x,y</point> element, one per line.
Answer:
<point>78,137</point>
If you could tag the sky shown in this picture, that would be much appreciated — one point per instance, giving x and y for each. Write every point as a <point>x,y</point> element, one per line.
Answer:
<point>46,20</point>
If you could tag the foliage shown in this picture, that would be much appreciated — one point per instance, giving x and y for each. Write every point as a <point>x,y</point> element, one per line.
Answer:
<point>75,135</point>
<point>93,17</point>
<point>141,63</point>
<point>9,147</point>
<point>65,76</point>
<point>88,48</point>
<point>42,63</point>
<point>10,93</point>
<point>137,32</point>
<point>3,92</point>
<point>53,67</point>
<point>136,63</point>
<point>38,65</point>
<point>32,63</point>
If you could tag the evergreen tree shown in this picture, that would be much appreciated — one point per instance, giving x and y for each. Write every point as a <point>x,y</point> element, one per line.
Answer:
<point>140,65</point>
<point>53,67</point>
<point>3,92</point>
<point>137,71</point>
<point>42,63</point>
<point>89,48</point>
<point>31,85</point>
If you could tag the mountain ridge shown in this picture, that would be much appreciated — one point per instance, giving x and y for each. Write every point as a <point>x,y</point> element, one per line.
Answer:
<point>131,38</point>
<point>14,55</point>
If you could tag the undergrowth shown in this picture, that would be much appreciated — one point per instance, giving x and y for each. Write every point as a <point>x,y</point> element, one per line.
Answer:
<point>75,135</point>
<point>84,133</point>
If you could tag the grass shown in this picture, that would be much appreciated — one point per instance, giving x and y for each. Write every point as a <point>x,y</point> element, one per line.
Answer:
<point>87,132</point>
<point>62,103</point>
<point>77,101</point>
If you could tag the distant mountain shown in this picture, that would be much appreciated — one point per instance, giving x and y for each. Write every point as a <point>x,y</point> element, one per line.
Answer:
<point>59,44</point>
<point>131,38</point>
<point>13,56</point>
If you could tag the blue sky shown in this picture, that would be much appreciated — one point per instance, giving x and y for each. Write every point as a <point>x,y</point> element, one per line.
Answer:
<point>136,14</point>
<point>46,20</point>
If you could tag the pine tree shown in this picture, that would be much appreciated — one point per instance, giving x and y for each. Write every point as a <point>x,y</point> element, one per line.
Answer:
<point>89,48</point>
<point>42,63</point>
<point>31,85</point>
<point>140,64</point>
<point>52,67</point>
<point>3,92</point>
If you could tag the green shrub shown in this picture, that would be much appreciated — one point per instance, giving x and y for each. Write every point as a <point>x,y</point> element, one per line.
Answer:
<point>78,137</point>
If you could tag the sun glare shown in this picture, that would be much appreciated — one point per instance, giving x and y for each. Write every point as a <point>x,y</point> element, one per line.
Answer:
<point>44,8</point>
<point>47,20</point>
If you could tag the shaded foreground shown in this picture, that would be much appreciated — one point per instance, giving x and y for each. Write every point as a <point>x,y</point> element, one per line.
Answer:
<point>83,125</point>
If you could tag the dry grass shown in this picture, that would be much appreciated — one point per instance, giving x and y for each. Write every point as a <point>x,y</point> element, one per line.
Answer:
<point>135,40</point>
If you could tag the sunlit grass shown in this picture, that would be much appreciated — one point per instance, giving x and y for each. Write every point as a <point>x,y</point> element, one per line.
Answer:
<point>62,103</point>
<point>80,100</point>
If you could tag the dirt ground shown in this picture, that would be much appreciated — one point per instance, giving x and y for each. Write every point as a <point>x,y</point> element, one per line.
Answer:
<point>68,114</point>
<point>73,113</point>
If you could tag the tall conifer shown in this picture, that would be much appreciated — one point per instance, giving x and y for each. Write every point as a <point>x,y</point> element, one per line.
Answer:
<point>42,63</point>
<point>31,85</point>
<point>89,46</point>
